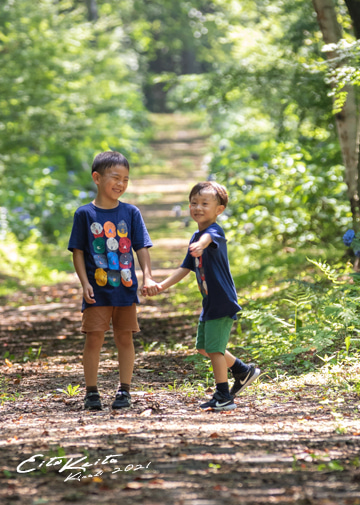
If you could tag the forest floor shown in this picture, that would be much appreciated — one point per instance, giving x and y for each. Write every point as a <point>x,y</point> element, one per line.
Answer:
<point>290,441</point>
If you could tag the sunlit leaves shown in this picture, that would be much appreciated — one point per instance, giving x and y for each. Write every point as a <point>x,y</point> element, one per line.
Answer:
<point>66,92</point>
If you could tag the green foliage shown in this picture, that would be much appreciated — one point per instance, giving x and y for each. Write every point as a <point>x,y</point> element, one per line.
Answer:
<point>32,354</point>
<point>316,317</point>
<point>30,262</point>
<point>67,92</point>
<point>279,192</point>
<point>71,390</point>
<point>342,69</point>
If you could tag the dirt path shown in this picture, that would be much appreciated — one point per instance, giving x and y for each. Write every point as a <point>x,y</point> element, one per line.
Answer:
<point>289,443</point>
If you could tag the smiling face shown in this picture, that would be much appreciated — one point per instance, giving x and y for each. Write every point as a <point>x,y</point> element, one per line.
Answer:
<point>111,185</point>
<point>205,208</point>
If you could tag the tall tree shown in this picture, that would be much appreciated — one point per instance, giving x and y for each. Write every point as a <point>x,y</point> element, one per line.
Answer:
<point>347,120</point>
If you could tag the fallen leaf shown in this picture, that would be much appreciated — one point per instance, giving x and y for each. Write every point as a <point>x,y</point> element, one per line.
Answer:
<point>157,482</point>
<point>9,364</point>
<point>133,485</point>
<point>146,413</point>
<point>214,435</point>
<point>122,430</point>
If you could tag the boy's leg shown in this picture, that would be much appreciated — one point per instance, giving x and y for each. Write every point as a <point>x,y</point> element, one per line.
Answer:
<point>243,374</point>
<point>211,341</point>
<point>218,362</point>
<point>95,322</point>
<point>230,359</point>
<point>126,355</point>
<point>125,325</point>
<point>91,356</point>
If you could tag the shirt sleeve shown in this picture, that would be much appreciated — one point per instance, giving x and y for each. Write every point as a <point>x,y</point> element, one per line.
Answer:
<point>140,236</point>
<point>216,234</point>
<point>78,235</point>
<point>188,262</point>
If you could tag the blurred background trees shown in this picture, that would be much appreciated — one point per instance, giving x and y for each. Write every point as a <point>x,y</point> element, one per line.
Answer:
<point>81,76</point>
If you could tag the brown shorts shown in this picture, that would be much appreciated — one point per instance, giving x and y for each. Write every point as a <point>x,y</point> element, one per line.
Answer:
<point>98,319</point>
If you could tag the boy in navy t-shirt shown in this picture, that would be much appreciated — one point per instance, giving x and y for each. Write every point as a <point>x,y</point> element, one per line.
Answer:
<point>207,257</point>
<point>104,235</point>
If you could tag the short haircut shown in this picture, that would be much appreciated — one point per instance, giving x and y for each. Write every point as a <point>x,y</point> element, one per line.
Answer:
<point>108,159</point>
<point>218,191</point>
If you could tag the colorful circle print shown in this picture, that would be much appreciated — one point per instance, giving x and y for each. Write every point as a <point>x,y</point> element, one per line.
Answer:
<point>124,244</point>
<point>126,277</point>
<point>100,277</point>
<point>122,229</point>
<point>99,245</point>
<point>110,229</point>
<point>125,260</point>
<point>112,244</point>
<point>97,230</point>
<point>113,261</point>
<point>114,278</point>
<point>100,261</point>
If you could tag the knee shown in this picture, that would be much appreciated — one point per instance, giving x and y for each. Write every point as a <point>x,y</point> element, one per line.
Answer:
<point>123,338</point>
<point>94,340</point>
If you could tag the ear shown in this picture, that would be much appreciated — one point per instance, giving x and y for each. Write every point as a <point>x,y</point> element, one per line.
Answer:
<point>96,177</point>
<point>220,209</point>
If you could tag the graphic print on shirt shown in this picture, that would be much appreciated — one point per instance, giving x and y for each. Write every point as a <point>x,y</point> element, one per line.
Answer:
<point>200,276</point>
<point>111,247</point>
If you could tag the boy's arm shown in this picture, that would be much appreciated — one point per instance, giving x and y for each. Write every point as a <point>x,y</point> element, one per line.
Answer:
<point>197,248</point>
<point>179,274</point>
<point>79,264</point>
<point>150,287</point>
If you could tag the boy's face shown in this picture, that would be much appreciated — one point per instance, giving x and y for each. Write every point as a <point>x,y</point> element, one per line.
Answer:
<point>112,183</point>
<point>205,208</point>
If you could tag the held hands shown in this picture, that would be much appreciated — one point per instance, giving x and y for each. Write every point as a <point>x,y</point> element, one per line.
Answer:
<point>150,288</point>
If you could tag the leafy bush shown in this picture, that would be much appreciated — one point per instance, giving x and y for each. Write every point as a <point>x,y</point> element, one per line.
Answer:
<point>307,317</point>
<point>281,192</point>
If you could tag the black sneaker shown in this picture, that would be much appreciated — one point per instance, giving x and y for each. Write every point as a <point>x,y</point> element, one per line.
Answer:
<point>122,400</point>
<point>244,380</point>
<point>219,402</point>
<point>92,401</point>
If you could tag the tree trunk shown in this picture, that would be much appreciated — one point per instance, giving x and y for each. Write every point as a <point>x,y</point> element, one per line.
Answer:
<point>347,119</point>
<point>354,11</point>
<point>92,10</point>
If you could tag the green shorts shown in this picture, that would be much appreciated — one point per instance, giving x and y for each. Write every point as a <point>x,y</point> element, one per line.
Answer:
<point>214,335</point>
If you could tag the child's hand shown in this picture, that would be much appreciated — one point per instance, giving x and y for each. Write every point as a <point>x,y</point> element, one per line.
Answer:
<point>150,288</point>
<point>88,293</point>
<point>196,249</point>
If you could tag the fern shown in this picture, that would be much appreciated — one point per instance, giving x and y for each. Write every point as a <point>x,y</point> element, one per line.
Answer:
<point>298,294</point>
<point>330,272</point>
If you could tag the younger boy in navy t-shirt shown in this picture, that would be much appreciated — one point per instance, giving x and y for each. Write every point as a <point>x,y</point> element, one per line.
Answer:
<point>207,257</point>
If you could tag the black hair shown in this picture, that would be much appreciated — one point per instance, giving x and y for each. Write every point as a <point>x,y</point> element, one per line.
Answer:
<point>219,191</point>
<point>108,159</point>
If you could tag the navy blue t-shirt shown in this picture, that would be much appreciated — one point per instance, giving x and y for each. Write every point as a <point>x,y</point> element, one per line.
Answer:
<point>108,238</point>
<point>213,276</point>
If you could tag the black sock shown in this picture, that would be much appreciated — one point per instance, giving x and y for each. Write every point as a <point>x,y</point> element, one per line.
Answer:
<point>91,389</point>
<point>223,388</point>
<point>124,387</point>
<point>239,367</point>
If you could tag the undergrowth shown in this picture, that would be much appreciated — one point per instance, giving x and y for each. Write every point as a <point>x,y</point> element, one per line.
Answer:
<point>304,319</point>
